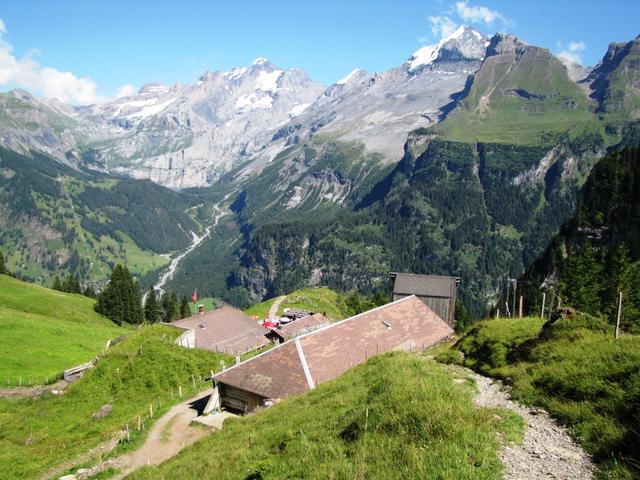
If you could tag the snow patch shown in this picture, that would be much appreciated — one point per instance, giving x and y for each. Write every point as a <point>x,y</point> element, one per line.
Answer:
<point>152,109</point>
<point>251,101</point>
<point>298,109</point>
<point>429,53</point>
<point>268,81</point>
<point>235,73</point>
<point>424,56</point>
<point>348,77</point>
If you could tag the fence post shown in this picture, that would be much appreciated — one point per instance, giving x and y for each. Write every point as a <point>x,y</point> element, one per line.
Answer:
<point>544,298</point>
<point>617,334</point>
<point>520,310</point>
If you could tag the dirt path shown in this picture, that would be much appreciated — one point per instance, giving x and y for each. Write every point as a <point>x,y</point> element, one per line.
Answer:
<point>273,311</point>
<point>547,452</point>
<point>21,392</point>
<point>168,436</point>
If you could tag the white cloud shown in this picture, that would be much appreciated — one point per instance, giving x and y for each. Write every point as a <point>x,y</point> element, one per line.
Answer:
<point>126,90</point>
<point>449,20</point>
<point>28,73</point>
<point>572,53</point>
<point>479,14</point>
<point>442,26</point>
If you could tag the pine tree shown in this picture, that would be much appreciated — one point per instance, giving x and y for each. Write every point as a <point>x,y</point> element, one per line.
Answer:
<point>151,309</point>
<point>89,291</point>
<point>580,284</point>
<point>57,284</point>
<point>120,299</point>
<point>169,307</point>
<point>3,267</point>
<point>185,311</point>
<point>71,284</point>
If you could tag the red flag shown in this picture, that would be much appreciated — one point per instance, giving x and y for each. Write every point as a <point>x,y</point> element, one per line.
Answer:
<point>195,295</point>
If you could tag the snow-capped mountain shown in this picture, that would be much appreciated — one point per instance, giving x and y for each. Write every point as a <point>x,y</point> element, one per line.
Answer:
<point>379,109</point>
<point>188,135</point>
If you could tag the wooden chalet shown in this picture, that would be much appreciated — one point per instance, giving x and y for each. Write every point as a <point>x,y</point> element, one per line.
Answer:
<point>436,291</point>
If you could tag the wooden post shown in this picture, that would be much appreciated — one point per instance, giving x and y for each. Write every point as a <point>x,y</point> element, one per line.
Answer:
<point>544,298</point>
<point>128,434</point>
<point>521,309</point>
<point>139,423</point>
<point>497,313</point>
<point>515,290</point>
<point>193,380</point>
<point>180,391</point>
<point>617,334</point>
<point>150,410</point>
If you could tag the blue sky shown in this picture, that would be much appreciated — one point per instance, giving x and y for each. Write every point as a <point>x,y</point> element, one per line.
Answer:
<point>84,51</point>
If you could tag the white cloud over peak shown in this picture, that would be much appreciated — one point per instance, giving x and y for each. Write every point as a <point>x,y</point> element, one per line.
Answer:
<point>459,13</point>
<point>28,73</point>
<point>442,26</point>
<point>572,52</point>
<point>479,14</point>
<point>126,90</point>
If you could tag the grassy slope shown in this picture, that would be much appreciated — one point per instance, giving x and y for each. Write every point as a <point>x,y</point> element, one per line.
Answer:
<point>578,373</point>
<point>317,300</point>
<point>43,332</point>
<point>493,113</point>
<point>145,367</point>
<point>209,304</point>
<point>397,416</point>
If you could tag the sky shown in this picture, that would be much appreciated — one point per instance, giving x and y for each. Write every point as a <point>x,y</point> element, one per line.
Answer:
<point>89,51</point>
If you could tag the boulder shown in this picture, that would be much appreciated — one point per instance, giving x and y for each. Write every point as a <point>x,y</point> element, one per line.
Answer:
<point>103,412</point>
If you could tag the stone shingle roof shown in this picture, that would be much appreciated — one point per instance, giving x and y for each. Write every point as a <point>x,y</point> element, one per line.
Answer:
<point>226,330</point>
<point>405,324</point>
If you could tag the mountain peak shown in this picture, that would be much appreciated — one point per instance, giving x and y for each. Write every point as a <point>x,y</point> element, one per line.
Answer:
<point>356,72</point>
<point>465,43</point>
<point>154,88</point>
<point>260,61</point>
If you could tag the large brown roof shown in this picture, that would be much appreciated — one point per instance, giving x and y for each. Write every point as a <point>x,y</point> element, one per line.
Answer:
<point>226,330</point>
<point>326,353</point>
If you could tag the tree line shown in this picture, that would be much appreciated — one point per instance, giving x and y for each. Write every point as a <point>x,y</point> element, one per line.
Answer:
<point>120,301</point>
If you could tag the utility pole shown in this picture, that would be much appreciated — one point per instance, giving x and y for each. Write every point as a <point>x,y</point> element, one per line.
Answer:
<point>619,314</point>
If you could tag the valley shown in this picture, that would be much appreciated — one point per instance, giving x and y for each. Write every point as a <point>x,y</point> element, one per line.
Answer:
<point>429,268</point>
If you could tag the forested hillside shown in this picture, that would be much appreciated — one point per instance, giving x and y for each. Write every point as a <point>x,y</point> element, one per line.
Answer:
<point>597,253</point>
<point>56,219</point>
